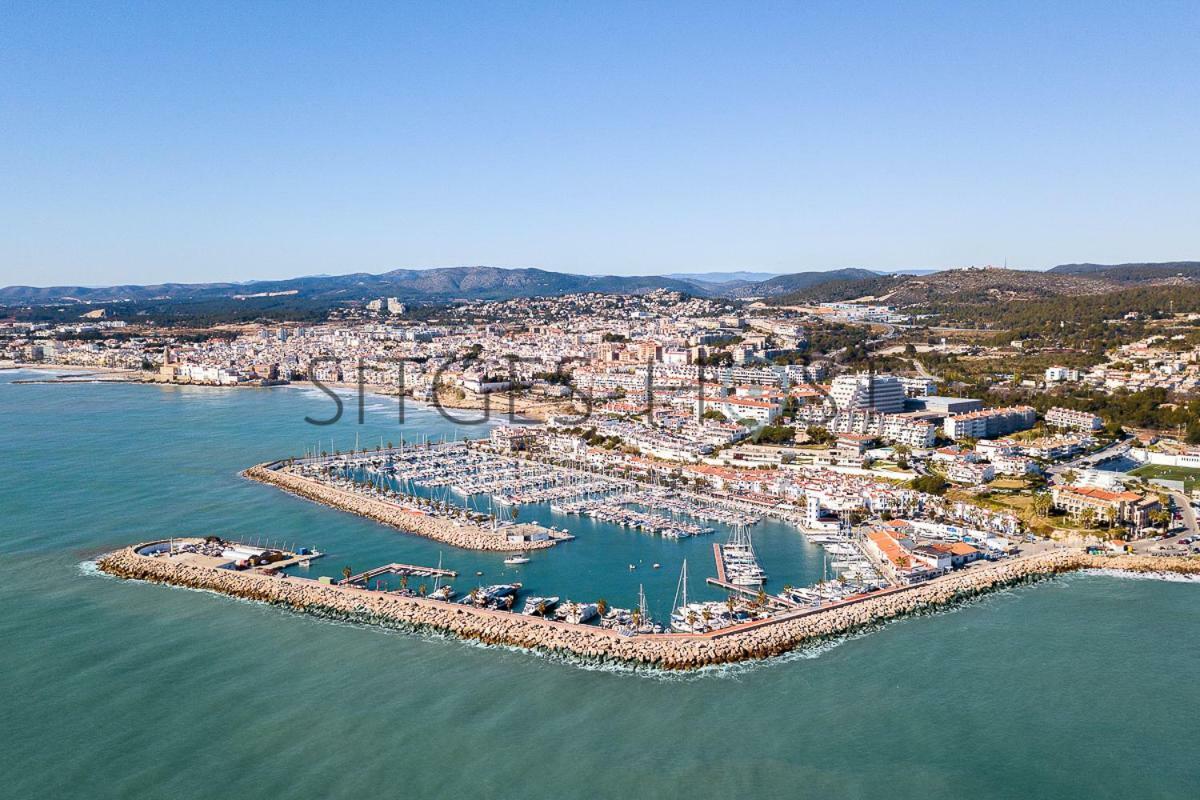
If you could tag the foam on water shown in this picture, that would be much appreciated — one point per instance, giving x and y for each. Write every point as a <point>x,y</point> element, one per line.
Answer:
<point>1170,577</point>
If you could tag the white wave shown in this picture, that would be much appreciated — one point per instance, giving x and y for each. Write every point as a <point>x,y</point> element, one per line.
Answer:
<point>1169,577</point>
<point>92,569</point>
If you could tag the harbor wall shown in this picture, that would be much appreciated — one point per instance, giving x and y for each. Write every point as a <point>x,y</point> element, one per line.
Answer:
<point>672,651</point>
<point>453,532</point>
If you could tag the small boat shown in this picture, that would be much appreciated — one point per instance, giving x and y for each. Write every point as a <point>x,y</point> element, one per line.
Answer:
<point>445,592</point>
<point>632,567</point>
<point>658,566</point>
<point>517,559</point>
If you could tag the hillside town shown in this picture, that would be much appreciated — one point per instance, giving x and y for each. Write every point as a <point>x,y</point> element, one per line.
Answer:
<point>746,401</point>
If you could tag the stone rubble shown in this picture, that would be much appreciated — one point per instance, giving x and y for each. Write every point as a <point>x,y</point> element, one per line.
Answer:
<point>755,640</point>
<point>453,532</point>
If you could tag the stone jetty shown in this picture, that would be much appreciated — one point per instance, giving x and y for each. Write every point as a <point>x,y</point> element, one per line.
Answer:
<point>671,651</point>
<point>458,533</point>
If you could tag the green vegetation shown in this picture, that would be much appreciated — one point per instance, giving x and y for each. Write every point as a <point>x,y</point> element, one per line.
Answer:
<point>818,435</point>
<point>1081,321</point>
<point>930,484</point>
<point>775,434</point>
<point>1149,409</point>
<point>1189,475</point>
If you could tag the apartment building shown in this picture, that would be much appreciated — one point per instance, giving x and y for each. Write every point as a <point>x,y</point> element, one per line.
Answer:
<point>1114,508</point>
<point>990,422</point>
<point>1071,419</point>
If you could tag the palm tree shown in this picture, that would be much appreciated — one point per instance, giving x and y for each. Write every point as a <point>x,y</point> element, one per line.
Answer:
<point>346,573</point>
<point>762,596</point>
<point>601,606</point>
<point>1041,504</point>
<point>404,581</point>
<point>1088,517</point>
<point>421,590</point>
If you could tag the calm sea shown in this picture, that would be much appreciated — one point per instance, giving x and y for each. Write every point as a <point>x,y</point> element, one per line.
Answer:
<point>1079,687</point>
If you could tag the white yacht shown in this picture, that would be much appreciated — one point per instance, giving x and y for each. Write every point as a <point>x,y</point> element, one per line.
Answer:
<point>539,606</point>
<point>576,613</point>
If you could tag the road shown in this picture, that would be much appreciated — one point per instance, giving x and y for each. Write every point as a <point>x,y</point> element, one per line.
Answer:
<point>1189,513</point>
<point>1091,459</point>
<point>920,368</point>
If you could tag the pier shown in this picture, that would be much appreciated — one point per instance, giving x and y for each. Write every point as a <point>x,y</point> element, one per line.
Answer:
<point>408,570</point>
<point>722,582</point>
<point>459,531</point>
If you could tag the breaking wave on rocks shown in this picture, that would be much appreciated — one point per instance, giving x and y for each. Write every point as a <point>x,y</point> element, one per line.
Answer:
<point>1170,577</point>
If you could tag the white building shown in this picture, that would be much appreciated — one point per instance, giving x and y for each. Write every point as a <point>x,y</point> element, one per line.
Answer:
<point>761,411</point>
<point>974,473</point>
<point>918,387</point>
<point>990,422</point>
<point>1073,420</point>
<point>868,393</point>
<point>1059,374</point>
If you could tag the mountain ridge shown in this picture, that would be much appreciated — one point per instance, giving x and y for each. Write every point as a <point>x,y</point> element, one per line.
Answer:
<point>422,285</point>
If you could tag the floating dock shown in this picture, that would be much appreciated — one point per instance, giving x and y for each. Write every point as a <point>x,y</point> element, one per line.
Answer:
<point>410,570</point>
<point>721,582</point>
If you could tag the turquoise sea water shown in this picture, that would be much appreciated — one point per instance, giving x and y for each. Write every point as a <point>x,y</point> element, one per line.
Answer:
<point>1079,687</point>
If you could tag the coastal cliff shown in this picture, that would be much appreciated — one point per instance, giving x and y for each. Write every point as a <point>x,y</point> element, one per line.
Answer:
<point>666,651</point>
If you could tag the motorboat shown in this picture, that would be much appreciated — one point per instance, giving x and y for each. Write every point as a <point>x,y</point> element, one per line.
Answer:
<point>576,613</point>
<point>539,606</point>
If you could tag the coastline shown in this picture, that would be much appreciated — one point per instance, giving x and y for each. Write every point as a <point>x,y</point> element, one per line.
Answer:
<point>525,410</point>
<point>668,651</point>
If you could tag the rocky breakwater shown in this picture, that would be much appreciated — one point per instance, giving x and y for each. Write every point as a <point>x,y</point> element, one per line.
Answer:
<point>453,532</point>
<point>665,651</point>
<point>1144,565</point>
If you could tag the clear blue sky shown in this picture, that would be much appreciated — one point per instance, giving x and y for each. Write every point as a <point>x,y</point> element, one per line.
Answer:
<point>205,141</point>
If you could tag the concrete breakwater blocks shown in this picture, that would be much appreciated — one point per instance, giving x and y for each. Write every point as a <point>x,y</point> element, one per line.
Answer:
<point>466,535</point>
<point>665,651</point>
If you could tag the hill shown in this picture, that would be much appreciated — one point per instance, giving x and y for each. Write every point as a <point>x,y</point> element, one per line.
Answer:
<point>956,286</point>
<point>1136,272</point>
<point>414,285</point>
<point>722,277</point>
<point>798,281</point>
